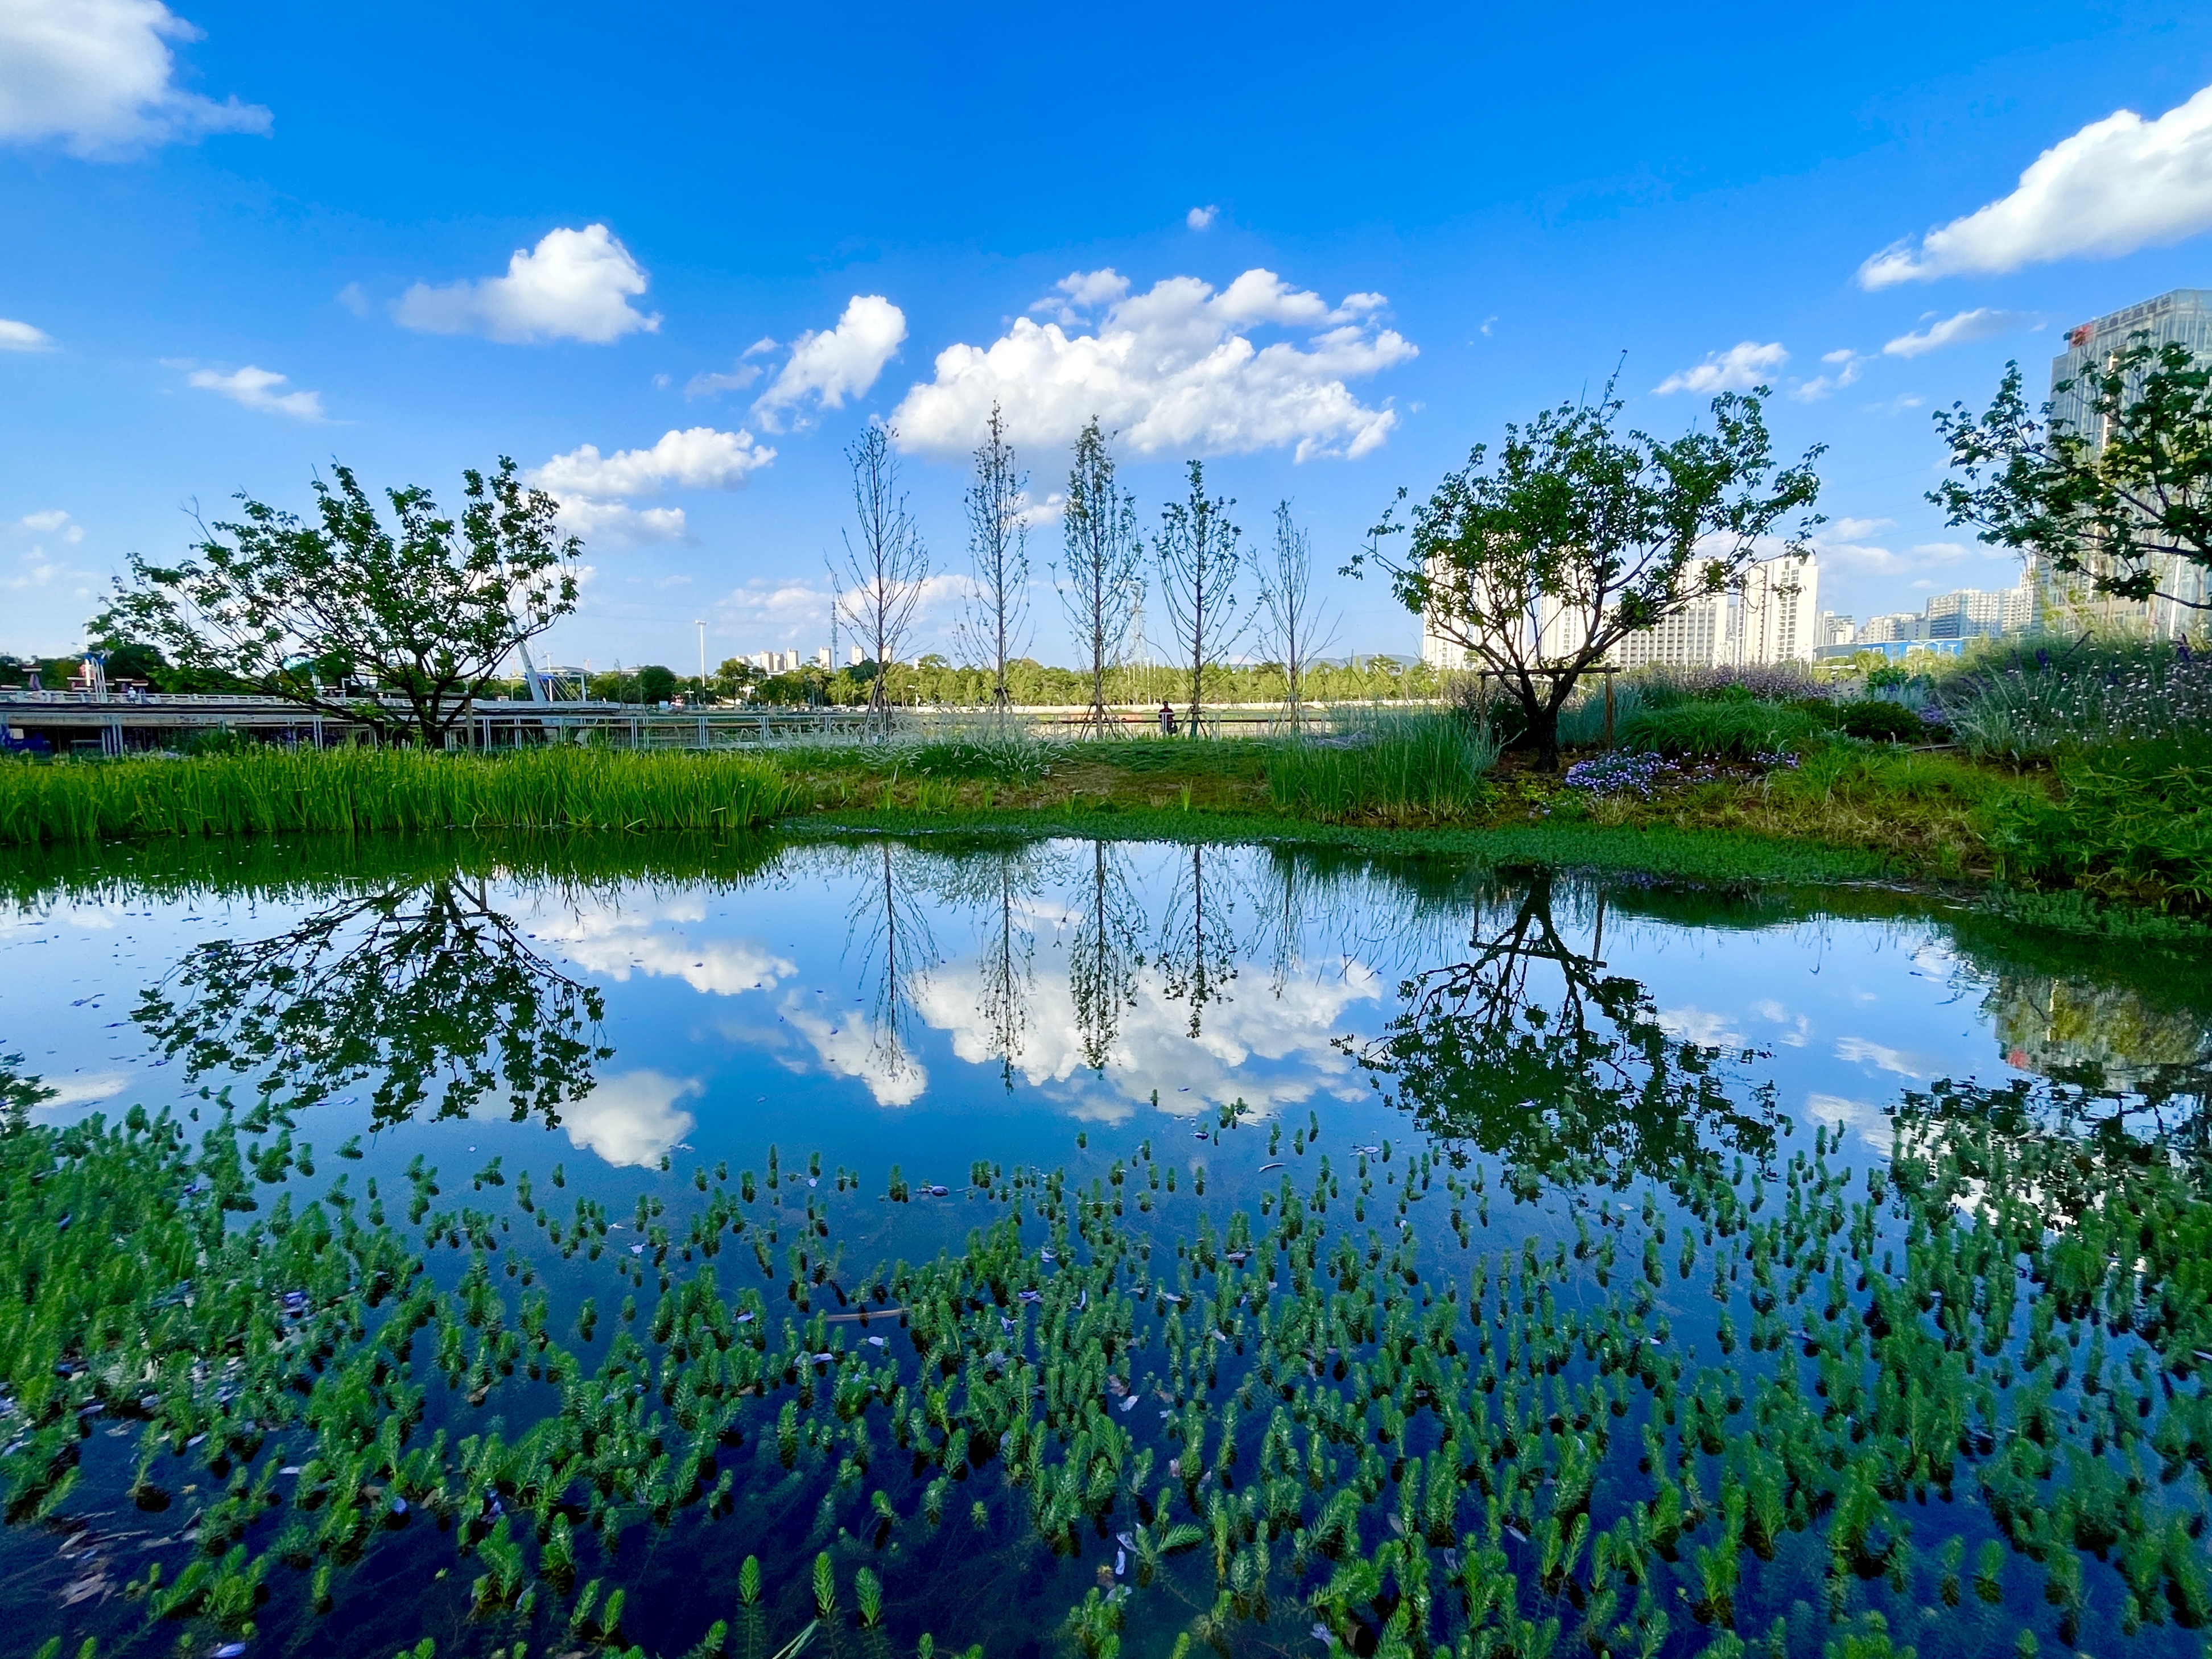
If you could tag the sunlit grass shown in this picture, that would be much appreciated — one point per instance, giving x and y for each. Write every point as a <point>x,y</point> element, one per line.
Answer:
<point>272,792</point>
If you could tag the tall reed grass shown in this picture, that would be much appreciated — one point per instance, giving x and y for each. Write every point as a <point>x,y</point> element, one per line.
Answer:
<point>272,792</point>
<point>1393,765</point>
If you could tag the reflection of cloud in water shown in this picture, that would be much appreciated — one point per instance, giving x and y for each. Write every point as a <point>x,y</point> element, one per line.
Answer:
<point>1691,1024</point>
<point>1152,1047</point>
<point>613,941</point>
<point>1800,1028</point>
<point>855,1048</point>
<point>1861,1051</point>
<point>69,1091</point>
<point>1868,1121</point>
<point>631,1118</point>
<point>89,918</point>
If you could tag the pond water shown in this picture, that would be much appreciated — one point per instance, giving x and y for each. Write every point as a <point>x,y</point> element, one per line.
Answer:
<point>1309,1251</point>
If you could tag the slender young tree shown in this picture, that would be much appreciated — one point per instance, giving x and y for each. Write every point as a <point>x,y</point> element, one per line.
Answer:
<point>885,562</point>
<point>1198,555</point>
<point>1101,585</point>
<point>997,543</point>
<point>1293,631</point>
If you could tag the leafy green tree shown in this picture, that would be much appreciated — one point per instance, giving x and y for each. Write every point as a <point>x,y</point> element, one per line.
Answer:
<point>2125,503</point>
<point>428,609</point>
<point>1581,535</point>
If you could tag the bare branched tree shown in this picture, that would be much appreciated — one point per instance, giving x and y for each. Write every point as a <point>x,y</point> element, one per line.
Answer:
<point>995,629</point>
<point>1102,584</point>
<point>885,562</point>
<point>1199,556</point>
<point>1293,629</point>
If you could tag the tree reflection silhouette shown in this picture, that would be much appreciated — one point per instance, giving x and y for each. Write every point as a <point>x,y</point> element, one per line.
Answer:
<point>896,948</point>
<point>1196,955</point>
<point>422,984</point>
<point>1101,960</point>
<point>1528,1050</point>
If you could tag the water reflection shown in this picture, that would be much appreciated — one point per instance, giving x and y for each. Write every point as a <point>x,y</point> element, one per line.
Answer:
<point>1533,1017</point>
<point>1528,1048</point>
<point>424,987</point>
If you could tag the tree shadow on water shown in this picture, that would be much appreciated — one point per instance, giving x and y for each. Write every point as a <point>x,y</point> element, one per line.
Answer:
<point>1528,1050</point>
<point>422,985</point>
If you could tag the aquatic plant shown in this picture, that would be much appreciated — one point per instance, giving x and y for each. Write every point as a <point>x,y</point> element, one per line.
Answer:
<point>1224,1426</point>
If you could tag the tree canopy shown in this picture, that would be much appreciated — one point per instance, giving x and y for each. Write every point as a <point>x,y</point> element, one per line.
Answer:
<point>397,627</point>
<point>2122,501</point>
<point>1579,534</point>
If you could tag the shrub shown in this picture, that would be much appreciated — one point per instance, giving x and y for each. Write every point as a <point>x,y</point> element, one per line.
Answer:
<point>1739,728</point>
<point>1875,719</point>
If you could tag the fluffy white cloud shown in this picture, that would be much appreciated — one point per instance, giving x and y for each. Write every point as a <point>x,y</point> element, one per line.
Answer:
<point>573,285</point>
<point>52,521</point>
<point>2118,184</point>
<point>592,487</point>
<point>1979,324</point>
<point>1865,1051</point>
<point>700,458</point>
<point>256,388</point>
<point>1741,367</point>
<point>842,362</point>
<point>21,337</point>
<point>99,76</point>
<point>664,942</point>
<point>1848,543</point>
<point>1173,369</point>
<point>1200,218</point>
<point>1845,367</point>
<point>632,1118</point>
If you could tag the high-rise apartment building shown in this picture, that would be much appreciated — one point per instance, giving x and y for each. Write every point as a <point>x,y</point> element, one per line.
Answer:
<point>2183,317</point>
<point>1837,629</point>
<point>1778,614</point>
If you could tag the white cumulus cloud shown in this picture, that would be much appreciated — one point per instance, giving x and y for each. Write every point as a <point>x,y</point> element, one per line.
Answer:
<point>573,285</point>
<point>592,488</point>
<point>21,337</point>
<point>53,520</point>
<point>257,389</point>
<point>98,76</point>
<point>838,363</point>
<point>1200,218</point>
<point>1173,369</point>
<point>1979,324</point>
<point>1741,367</point>
<point>2118,184</point>
<point>1849,544</point>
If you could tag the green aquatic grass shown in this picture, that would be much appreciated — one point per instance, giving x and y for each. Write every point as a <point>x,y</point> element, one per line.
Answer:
<point>1238,1423</point>
<point>1392,766</point>
<point>351,792</point>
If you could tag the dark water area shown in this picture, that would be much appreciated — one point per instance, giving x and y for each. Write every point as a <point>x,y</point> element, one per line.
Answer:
<point>1084,1248</point>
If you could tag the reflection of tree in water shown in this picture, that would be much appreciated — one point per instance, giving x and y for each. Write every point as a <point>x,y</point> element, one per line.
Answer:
<point>421,983</point>
<point>1529,1050</point>
<point>1197,952</point>
<point>1101,959</point>
<point>887,923</point>
<point>1001,883</point>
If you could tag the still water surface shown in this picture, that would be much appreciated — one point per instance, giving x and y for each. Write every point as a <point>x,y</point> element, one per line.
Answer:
<point>1531,1048</point>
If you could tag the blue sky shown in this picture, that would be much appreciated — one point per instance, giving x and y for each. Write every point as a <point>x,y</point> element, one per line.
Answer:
<point>1328,249</point>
